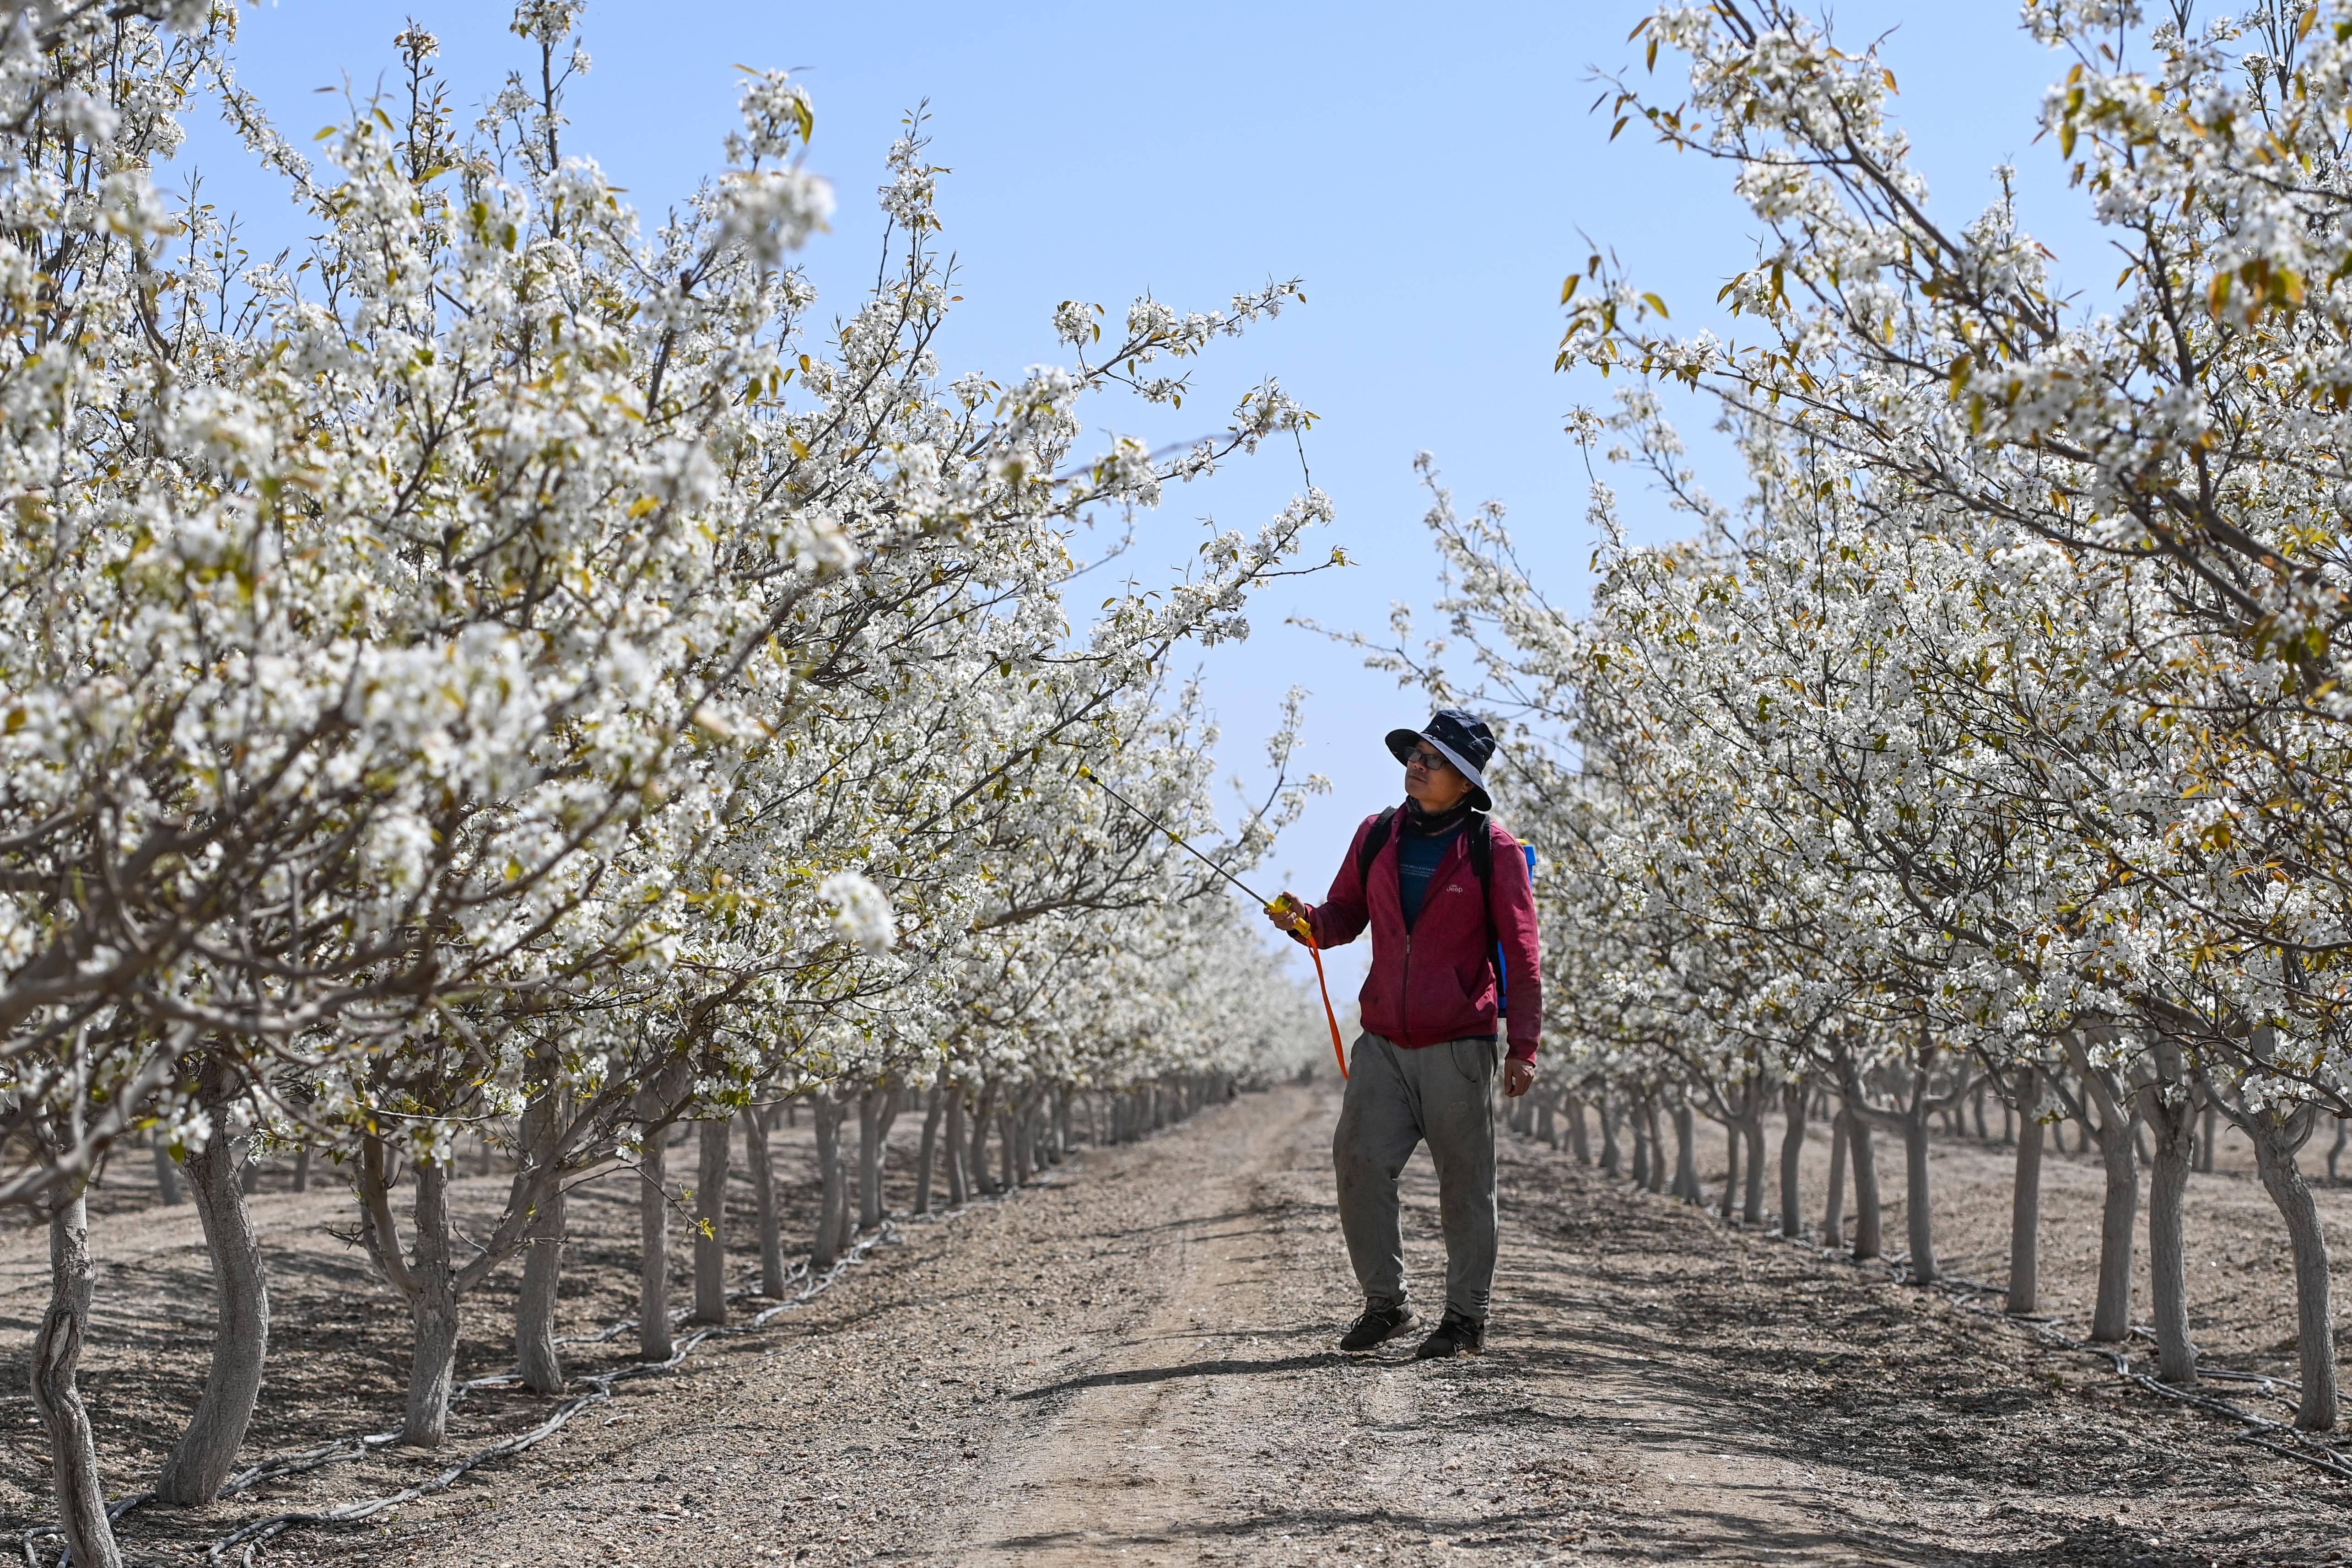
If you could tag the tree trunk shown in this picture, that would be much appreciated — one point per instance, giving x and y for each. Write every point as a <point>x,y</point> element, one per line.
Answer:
<point>55,1353</point>
<point>869,1158</point>
<point>929,1149</point>
<point>1793,1154</point>
<point>1613,1157</point>
<point>833,1202</point>
<point>1869,1221</point>
<point>1751,1127</point>
<point>1730,1205</point>
<point>1918,1208</point>
<point>207,1451</point>
<point>2111,1316</point>
<point>959,1157</point>
<point>167,1174</point>
<point>716,1139</point>
<point>1833,1212</point>
<point>303,1168</point>
<point>1650,1122</point>
<point>2174,1127</point>
<point>1685,1155</point>
<point>1641,1149</point>
<point>772,1283</point>
<point>2025,1201</point>
<point>1546,1123</point>
<point>2275,1144</point>
<point>2209,1130</point>
<point>653,1246</point>
<point>535,1356</point>
<point>2335,1149</point>
<point>1013,1148</point>
<point>1984,1133</point>
<point>982,1182</point>
<point>1579,1141</point>
<point>432,1315</point>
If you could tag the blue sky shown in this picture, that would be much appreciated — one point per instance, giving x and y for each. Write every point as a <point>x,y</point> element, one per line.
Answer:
<point>1428,170</point>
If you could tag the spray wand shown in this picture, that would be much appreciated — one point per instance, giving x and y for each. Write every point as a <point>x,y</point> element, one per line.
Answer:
<point>1285,907</point>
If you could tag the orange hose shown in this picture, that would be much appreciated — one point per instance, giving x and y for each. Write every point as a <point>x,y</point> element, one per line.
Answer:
<point>1329,1017</point>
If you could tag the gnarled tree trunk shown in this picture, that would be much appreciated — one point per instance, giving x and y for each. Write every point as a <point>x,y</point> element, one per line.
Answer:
<point>432,1315</point>
<point>55,1353</point>
<point>2277,1139</point>
<point>207,1451</point>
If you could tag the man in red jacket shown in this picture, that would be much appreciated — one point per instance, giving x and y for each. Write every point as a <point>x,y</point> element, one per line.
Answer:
<point>1445,891</point>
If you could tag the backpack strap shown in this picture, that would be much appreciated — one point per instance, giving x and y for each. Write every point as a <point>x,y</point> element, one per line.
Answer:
<point>1376,840</point>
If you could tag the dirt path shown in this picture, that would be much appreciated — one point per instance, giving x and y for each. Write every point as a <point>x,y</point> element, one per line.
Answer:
<point>1132,1363</point>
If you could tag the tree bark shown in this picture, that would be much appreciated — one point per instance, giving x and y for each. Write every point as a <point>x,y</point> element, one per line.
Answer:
<point>207,1451</point>
<point>1869,1221</point>
<point>2275,1142</point>
<point>2111,1314</point>
<point>2025,1201</point>
<point>536,1355</point>
<point>1613,1157</point>
<point>1579,1141</point>
<point>303,1168</point>
<point>1730,1205</point>
<point>1918,1208</point>
<point>763,1197</point>
<point>1833,1212</point>
<point>1640,1147</point>
<point>832,1200</point>
<point>167,1174</point>
<point>1752,1128</point>
<point>2209,1129</point>
<point>717,1138</point>
<point>869,1158</point>
<point>56,1353</point>
<point>654,1341</point>
<point>432,1315</point>
<point>930,1148</point>
<point>958,1157</point>
<point>1687,1185</point>
<point>2173,1124</point>
<point>982,1108</point>
<point>1793,1154</point>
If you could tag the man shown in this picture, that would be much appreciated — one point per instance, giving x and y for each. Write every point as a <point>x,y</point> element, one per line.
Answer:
<point>1425,1066</point>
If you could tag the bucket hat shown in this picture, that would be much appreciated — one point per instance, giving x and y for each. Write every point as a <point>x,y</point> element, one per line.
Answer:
<point>1460,736</point>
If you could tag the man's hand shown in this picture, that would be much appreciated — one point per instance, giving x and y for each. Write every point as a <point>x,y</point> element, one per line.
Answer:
<point>1285,914</point>
<point>1518,1077</point>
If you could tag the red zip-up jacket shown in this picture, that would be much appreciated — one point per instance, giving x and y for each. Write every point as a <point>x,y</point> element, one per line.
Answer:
<point>1436,982</point>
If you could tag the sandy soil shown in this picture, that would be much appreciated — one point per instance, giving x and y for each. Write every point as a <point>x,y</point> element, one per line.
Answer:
<point>1130,1362</point>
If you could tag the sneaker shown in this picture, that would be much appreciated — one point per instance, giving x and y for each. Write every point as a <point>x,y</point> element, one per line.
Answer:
<point>1377,1326</point>
<point>1455,1336</point>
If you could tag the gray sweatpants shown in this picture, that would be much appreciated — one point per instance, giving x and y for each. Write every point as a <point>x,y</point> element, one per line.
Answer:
<point>1395,1098</point>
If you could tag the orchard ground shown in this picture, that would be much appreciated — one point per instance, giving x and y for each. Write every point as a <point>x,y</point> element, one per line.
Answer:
<point>1130,1362</point>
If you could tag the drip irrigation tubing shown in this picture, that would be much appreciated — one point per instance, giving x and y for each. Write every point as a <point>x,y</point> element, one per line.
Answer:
<point>600,1385</point>
<point>2277,1437</point>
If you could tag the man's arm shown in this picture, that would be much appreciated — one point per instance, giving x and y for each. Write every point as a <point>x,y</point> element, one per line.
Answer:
<point>1344,912</point>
